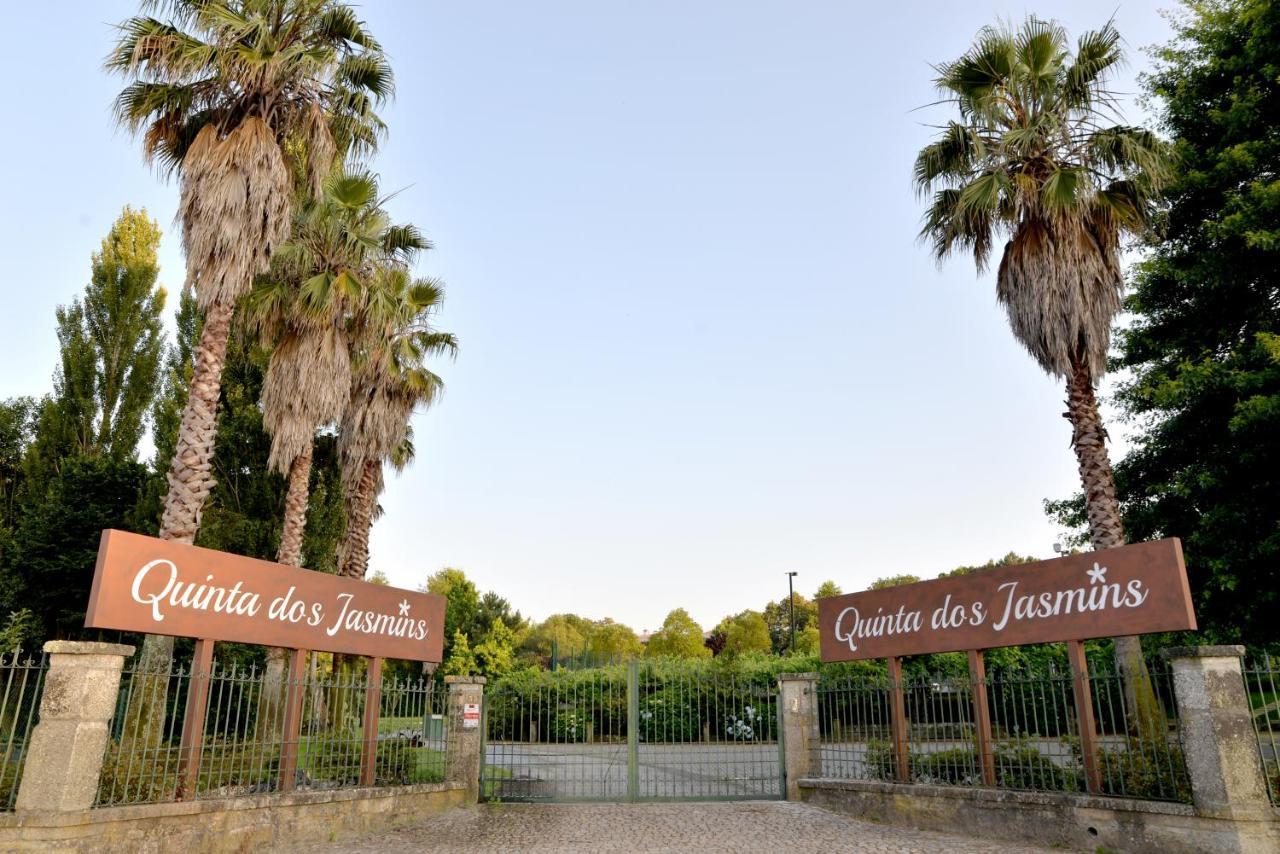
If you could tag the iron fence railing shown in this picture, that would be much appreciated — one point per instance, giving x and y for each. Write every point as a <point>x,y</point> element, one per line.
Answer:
<point>1034,732</point>
<point>21,683</point>
<point>1262,683</point>
<point>244,739</point>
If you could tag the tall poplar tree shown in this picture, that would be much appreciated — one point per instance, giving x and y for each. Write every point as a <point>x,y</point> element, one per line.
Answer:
<point>111,339</point>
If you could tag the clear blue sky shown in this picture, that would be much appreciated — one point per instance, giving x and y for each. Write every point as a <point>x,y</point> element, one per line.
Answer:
<point>700,345</point>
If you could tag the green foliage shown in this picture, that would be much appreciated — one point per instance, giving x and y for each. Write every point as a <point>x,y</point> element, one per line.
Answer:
<point>110,353</point>
<point>22,629</point>
<point>746,633</point>
<point>827,588</point>
<point>679,637</point>
<point>1010,559</point>
<point>570,726</point>
<point>1018,766</point>
<point>1204,392</point>
<point>558,635</point>
<point>1145,768</point>
<point>57,540</point>
<point>460,661</point>
<point>462,604</point>
<point>610,641</point>
<point>777,617</point>
<point>666,715</point>
<point>893,581</point>
<point>496,653</point>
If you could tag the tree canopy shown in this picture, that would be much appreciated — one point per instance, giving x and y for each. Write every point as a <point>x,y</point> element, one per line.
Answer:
<point>679,637</point>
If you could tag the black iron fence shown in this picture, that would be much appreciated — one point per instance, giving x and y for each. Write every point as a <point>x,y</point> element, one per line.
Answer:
<point>1262,683</point>
<point>21,683</point>
<point>244,749</point>
<point>1034,742</point>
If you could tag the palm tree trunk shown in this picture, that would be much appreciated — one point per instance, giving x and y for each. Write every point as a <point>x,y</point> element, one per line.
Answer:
<point>190,481</point>
<point>295,509</point>
<point>1106,530</point>
<point>271,706</point>
<point>353,552</point>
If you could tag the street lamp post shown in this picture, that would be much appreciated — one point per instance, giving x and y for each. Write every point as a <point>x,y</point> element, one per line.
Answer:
<point>791,594</point>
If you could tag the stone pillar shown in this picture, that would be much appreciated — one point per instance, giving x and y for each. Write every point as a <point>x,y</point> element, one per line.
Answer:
<point>1218,738</point>
<point>798,696</point>
<point>64,757</point>
<point>466,738</point>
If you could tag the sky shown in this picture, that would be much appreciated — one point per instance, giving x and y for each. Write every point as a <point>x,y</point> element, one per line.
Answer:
<point>701,346</point>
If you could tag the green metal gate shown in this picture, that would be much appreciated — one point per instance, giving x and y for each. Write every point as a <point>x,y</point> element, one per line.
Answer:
<point>645,731</point>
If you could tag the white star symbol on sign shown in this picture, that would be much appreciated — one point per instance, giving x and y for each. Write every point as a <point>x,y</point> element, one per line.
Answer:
<point>1098,575</point>
<point>404,607</point>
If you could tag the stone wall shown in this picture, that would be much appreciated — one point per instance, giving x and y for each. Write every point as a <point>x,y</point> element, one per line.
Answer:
<point>1074,822</point>
<point>258,823</point>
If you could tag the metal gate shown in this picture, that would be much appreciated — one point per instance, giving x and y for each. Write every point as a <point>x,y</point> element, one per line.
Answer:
<point>645,731</point>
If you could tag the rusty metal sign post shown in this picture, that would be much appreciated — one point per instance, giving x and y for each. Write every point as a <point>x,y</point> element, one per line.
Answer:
<point>144,584</point>
<point>1129,590</point>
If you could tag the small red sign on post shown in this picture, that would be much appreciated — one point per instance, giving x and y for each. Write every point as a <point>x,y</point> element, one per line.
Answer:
<point>470,715</point>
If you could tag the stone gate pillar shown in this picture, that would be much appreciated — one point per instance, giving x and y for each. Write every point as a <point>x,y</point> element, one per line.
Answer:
<point>64,758</point>
<point>465,720</point>
<point>1218,738</point>
<point>798,698</point>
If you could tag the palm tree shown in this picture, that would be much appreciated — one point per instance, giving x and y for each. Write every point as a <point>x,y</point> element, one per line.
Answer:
<point>394,338</point>
<point>1038,157</point>
<point>236,97</point>
<point>301,310</point>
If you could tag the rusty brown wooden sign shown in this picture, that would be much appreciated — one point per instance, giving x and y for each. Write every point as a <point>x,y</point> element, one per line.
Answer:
<point>1123,591</point>
<point>144,584</point>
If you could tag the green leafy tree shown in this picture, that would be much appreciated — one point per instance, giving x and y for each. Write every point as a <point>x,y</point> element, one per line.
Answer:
<point>459,660</point>
<point>894,581</point>
<point>17,430</point>
<point>1010,559</point>
<point>462,604</point>
<point>1035,160</point>
<point>1203,350</point>
<point>560,635</point>
<point>110,344</point>
<point>495,654</point>
<point>777,615</point>
<point>610,641</point>
<point>827,588</point>
<point>57,540</point>
<point>492,609</point>
<point>746,633</point>
<point>679,637</point>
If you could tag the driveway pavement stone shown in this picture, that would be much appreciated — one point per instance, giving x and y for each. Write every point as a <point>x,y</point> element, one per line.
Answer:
<point>738,826</point>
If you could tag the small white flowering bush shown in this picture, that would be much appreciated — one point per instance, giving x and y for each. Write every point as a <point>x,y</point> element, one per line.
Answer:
<point>569,727</point>
<point>742,727</point>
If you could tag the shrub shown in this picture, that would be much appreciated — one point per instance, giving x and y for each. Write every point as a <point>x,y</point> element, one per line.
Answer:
<point>750,725</point>
<point>1145,768</point>
<point>667,715</point>
<point>569,726</point>
<point>1019,765</point>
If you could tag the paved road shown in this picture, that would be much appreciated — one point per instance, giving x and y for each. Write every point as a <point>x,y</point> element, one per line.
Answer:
<point>744,826</point>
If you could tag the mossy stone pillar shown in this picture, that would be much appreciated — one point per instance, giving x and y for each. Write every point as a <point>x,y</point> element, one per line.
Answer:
<point>63,759</point>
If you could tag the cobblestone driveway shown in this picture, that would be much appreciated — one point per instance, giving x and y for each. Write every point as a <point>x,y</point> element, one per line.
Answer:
<point>763,826</point>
